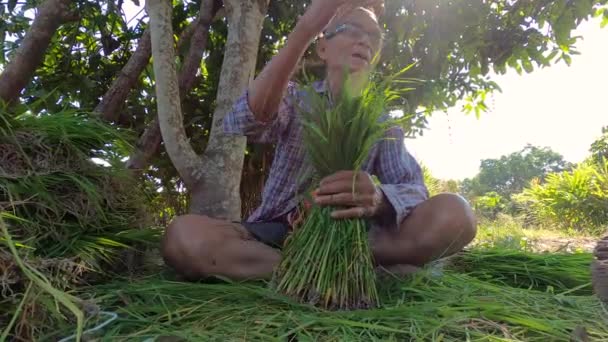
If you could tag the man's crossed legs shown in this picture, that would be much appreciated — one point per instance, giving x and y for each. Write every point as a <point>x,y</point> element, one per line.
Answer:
<point>198,246</point>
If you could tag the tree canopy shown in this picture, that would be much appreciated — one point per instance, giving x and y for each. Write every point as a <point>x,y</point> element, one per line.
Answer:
<point>510,174</point>
<point>599,148</point>
<point>457,47</point>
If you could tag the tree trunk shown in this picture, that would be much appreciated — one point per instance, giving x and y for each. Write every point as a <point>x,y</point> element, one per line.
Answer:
<point>214,179</point>
<point>149,142</point>
<point>16,76</point>
<point>218,193</point>
<point>183,157</point>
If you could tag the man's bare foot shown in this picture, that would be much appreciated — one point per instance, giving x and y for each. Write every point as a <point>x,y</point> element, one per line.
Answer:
<point>599,270</point>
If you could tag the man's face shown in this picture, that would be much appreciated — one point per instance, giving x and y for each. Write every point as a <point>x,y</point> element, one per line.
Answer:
<point>352,41</point>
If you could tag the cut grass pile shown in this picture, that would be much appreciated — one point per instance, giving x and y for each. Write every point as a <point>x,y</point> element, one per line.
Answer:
<point>478,303</point>
<point>556,272</point>
<point>70,219</point>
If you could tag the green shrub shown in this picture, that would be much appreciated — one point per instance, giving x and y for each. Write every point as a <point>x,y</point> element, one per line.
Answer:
<point>489,205</point>
<point>576,200</point>
<point>433,184</point>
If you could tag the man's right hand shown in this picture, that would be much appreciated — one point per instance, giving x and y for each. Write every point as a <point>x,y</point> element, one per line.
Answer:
<point>321,12</point>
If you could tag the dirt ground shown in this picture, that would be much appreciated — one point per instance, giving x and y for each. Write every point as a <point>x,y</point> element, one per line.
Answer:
<point>556,244</point>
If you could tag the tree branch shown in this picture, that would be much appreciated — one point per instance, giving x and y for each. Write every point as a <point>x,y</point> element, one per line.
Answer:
<point>149,143</point>
<point>185,160</point>
<point>115,97</point>
<point>198,44</point>
<point>51,15</point>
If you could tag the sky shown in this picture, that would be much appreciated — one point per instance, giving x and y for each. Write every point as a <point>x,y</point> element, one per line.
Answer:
<point>560,107</point>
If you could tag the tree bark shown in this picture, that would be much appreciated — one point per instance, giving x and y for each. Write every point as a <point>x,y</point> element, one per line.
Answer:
<point>213,180</point>
<point>114,99</point>
<point>149,143</point>
<point>217,194</point>
<point>51,15</point>
<point>146,147</point>
<point>183,157</point>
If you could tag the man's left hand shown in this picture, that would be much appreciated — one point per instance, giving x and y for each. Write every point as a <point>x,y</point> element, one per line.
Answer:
<point>361,199</point>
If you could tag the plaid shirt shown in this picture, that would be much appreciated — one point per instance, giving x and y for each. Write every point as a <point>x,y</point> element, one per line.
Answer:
<point>399,173</point>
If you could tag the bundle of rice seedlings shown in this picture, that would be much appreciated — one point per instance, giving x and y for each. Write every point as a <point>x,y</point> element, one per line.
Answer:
<point>558,272</point>
<point>328,262</point>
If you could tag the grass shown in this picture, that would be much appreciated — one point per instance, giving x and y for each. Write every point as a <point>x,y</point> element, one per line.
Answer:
<point>553,272</point>
<point>339,272</point>
<point>483,294</point>
<point>434,305</point>
<point>490,292</point>
<point>509,232</point>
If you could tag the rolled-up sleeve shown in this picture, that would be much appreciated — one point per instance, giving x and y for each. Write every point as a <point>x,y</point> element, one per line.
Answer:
<point>400,176</point>
<point>241,120</point>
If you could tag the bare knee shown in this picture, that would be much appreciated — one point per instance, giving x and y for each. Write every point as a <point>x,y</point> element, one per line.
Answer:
<point>454,217</point>
<point>439,227</point>
<point>457,213</point>
<point>187,245</point>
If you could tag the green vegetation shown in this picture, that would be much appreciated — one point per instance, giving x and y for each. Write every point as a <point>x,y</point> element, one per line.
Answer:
<point>576,200</point>
<point>538,187</point>
<point>496,301</point>
<point>71,219</point>
<point>510,174</point>
<point>327,261</point>
<point>599,148</point>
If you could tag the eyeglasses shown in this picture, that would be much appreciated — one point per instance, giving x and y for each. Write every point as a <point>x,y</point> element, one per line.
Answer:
<point>355,32</point>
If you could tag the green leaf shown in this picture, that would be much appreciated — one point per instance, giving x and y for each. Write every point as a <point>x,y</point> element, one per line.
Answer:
<point>527,65</point>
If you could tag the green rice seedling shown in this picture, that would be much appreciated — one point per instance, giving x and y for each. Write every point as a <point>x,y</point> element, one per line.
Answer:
<point>428,306</point>
<point>328,262</point>
<point>556,272</point>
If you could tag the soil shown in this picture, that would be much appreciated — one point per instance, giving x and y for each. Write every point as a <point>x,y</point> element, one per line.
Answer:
<point>567,245</point>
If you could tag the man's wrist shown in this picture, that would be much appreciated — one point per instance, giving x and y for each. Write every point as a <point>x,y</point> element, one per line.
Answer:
<point>316,18</point>
<point>385,208</point>
<point>303,35</point>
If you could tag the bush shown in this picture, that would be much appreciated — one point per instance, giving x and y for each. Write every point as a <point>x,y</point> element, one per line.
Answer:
<point>432,184</point>
<point>576,200</point>
<point>489,205</point>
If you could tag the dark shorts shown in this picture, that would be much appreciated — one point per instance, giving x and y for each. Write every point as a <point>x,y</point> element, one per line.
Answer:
<point>272,234</point>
